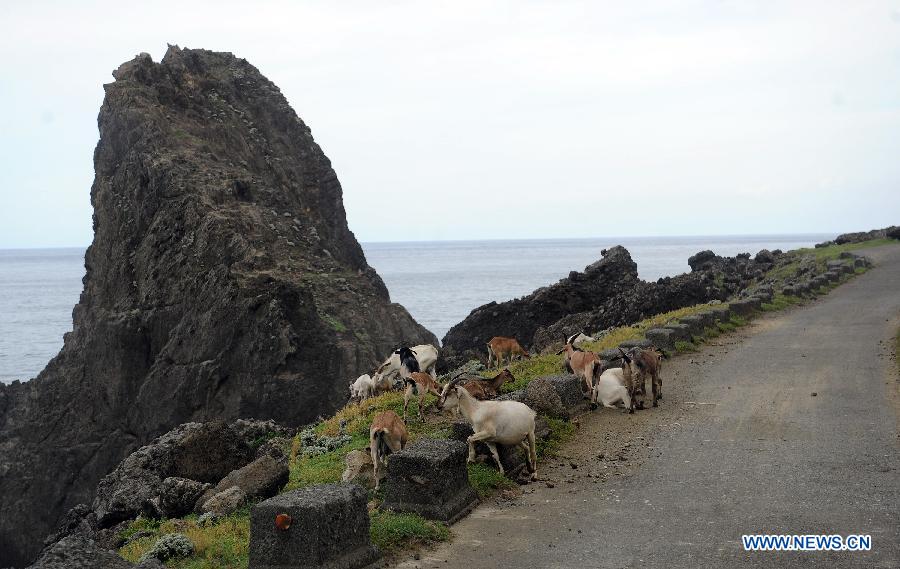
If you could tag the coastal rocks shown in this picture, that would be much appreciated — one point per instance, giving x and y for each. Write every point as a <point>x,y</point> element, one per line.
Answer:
<point>177,496</point>
<point>79,552</point>
<point>262,478</point>
<point>202,452</point>
<point>359,469</point>
<point>201,299</point>
<point>224,502</point>
<point>860,236</point>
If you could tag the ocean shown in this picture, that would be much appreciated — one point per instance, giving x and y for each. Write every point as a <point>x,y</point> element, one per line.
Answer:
<point>443,283</point>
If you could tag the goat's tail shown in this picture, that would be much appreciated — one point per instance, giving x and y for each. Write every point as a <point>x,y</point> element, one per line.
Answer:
<point>381,445</point>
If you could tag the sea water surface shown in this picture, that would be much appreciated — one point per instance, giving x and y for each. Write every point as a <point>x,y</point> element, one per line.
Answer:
<point>439,282</point>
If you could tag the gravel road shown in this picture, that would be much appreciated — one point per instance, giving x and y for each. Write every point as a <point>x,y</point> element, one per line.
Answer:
<point>787,426</point>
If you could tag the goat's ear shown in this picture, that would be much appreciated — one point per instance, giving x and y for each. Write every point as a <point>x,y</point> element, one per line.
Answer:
<point>625,355</point>
<point>414,352</point>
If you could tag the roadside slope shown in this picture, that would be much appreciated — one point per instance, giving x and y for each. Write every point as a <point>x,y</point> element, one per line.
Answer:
<point>740,445</point>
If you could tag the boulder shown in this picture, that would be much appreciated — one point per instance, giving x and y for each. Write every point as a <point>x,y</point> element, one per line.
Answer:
<point>277,448</point>
<point>701,260</point>
<point>78,552</point>
<point>204,452</point>
<point>518,395</point>
<point>360,469</point>
<point>324,526</point>
<point>224,502</point>
<point>429,477</point>
<point>765,256</point>
<point>177,496</point>
<point>262,478</point>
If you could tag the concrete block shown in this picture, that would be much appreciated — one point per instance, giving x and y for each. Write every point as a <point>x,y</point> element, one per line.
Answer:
<point>636,343</point>
<point>663,338</point>
<point>682,331</point>
<point>328,528</point>
<point>429,478</point>
<point>720,313</point>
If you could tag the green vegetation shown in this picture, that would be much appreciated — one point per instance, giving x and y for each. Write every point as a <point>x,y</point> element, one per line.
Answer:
<point>225,542</point>
<point>392,532</point>
<point>683,346</point>
<point>222,543</point>
<point>335,324</point>
<point>822,255</point>
<point>486,479</point>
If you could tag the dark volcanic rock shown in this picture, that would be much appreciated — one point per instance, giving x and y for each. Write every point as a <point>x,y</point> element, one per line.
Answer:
<point>222,282</point>
<point>520,318</point>
<point>861,236</point>
<point>79,552</point>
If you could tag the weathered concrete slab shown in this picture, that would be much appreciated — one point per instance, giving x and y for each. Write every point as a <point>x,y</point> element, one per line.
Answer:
<point>745,307</point>
<point>636,343</point>
<point>721,313</point>
<point>663,338</point>
<point>682,331</point>
<point>328,528</point>
<point>556,395</point>
<point>429,478</point>
<point>694,324</point>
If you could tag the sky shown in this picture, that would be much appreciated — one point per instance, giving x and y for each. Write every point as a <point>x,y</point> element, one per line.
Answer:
<point>501,120</point>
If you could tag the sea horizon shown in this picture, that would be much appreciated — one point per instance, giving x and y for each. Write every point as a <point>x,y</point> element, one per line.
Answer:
<point>39,286</point>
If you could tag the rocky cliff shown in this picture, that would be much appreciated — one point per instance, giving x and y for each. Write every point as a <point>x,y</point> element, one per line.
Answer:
<point>607,293</point>
<point>222,282</point>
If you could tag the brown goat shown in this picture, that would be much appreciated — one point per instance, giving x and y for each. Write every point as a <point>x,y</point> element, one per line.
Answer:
<point>421,384</point>
<point>583,364</point>
<point>482,389</point>
<point>637,364</point>
<point>500,346</point>
<point>386,435</point>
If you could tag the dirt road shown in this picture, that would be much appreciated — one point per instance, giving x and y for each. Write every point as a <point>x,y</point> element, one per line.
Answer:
<point>788,426</point>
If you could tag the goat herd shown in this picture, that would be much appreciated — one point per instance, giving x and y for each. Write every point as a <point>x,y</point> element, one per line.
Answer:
<point>495,422</point>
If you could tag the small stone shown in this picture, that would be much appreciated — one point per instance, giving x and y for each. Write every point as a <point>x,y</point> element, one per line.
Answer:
<point>814,393</point>
<point>551,485</point>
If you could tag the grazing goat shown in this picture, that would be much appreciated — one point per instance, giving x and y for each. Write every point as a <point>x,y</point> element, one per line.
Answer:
<point>609,389</point>
<point>583,364</point>
<point>420,384</point>
<point>482,389</point>
<point>425,354</point>
<point>386,435</point>
<point>578,339</point>
<point>362,388</point>
<point>494,422</point>
<point>645,363</point>
<point>499,347</point>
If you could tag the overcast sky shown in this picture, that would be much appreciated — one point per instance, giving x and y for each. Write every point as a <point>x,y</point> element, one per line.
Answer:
<point>501,119</point>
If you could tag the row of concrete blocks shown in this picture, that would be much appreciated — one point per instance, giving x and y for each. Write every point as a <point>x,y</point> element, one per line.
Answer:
<point>327,525</point>
<point>836,270</point>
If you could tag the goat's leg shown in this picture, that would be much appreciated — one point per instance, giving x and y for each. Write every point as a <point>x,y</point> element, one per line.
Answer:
<point>658,386</point>
<point>479,436</point>
<point>406,396</point>
<point>490,357</point>
<point>373,447</point>
<point>653,382</point>
<point>422,394</point>
<point>532,454</point>
<point>496,456</point>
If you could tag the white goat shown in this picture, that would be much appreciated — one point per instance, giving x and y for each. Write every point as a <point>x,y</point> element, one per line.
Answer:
<point>610,389</point>
<point>578,339</point>
<point>426,355</point>
<point>362,388</point>
<point>503,422</point>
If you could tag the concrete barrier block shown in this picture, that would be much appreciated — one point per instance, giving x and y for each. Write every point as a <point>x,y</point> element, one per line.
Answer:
<point>682,331</point>
<point>663,338</point>
<point>694,324</point>
<point>636,343</point>
<point>720,313</point>
<point>859,262</point>
<point>429,478</point>
<point>745,306</point>
<point>324,526</point>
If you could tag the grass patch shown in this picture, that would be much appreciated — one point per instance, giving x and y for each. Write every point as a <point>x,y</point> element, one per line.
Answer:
<point>683,346</point>
<point>223,543</point>
<point>726,326</point>
<point>780,302</point>
<point>335,324</point>
<point>710,333</point>
<point>486,479</point>
<point>391,532</point>
<point>560,432</point>
<point>738,321</point>
<point>821,256</point>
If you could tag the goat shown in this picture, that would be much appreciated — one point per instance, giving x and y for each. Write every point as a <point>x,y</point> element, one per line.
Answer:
<point>426,355</point>
<point>363,388</point>
<point>488,388</point>
<point>509,347</point>
<point>386,435</point>
<point>494,422</point>
<point>609,389</point>
<point>643,363</point>
<point>582,364</point>
<point>578,339</point>
<point>422,384</point>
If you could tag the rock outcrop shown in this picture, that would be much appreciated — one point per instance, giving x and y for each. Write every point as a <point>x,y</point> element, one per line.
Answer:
<point>608,293</point>
<point>222,282</point>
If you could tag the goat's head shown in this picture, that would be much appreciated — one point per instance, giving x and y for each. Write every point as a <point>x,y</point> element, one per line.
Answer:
<point>405,353</point>
<point>449,393</point>
<point>508,377</point>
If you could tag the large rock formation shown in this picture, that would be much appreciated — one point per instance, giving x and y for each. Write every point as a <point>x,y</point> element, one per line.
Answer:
<point>222,282</point>
<point>608,293</point>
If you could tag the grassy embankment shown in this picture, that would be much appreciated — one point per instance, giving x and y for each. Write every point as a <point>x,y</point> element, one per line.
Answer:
<point>224,543</point>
